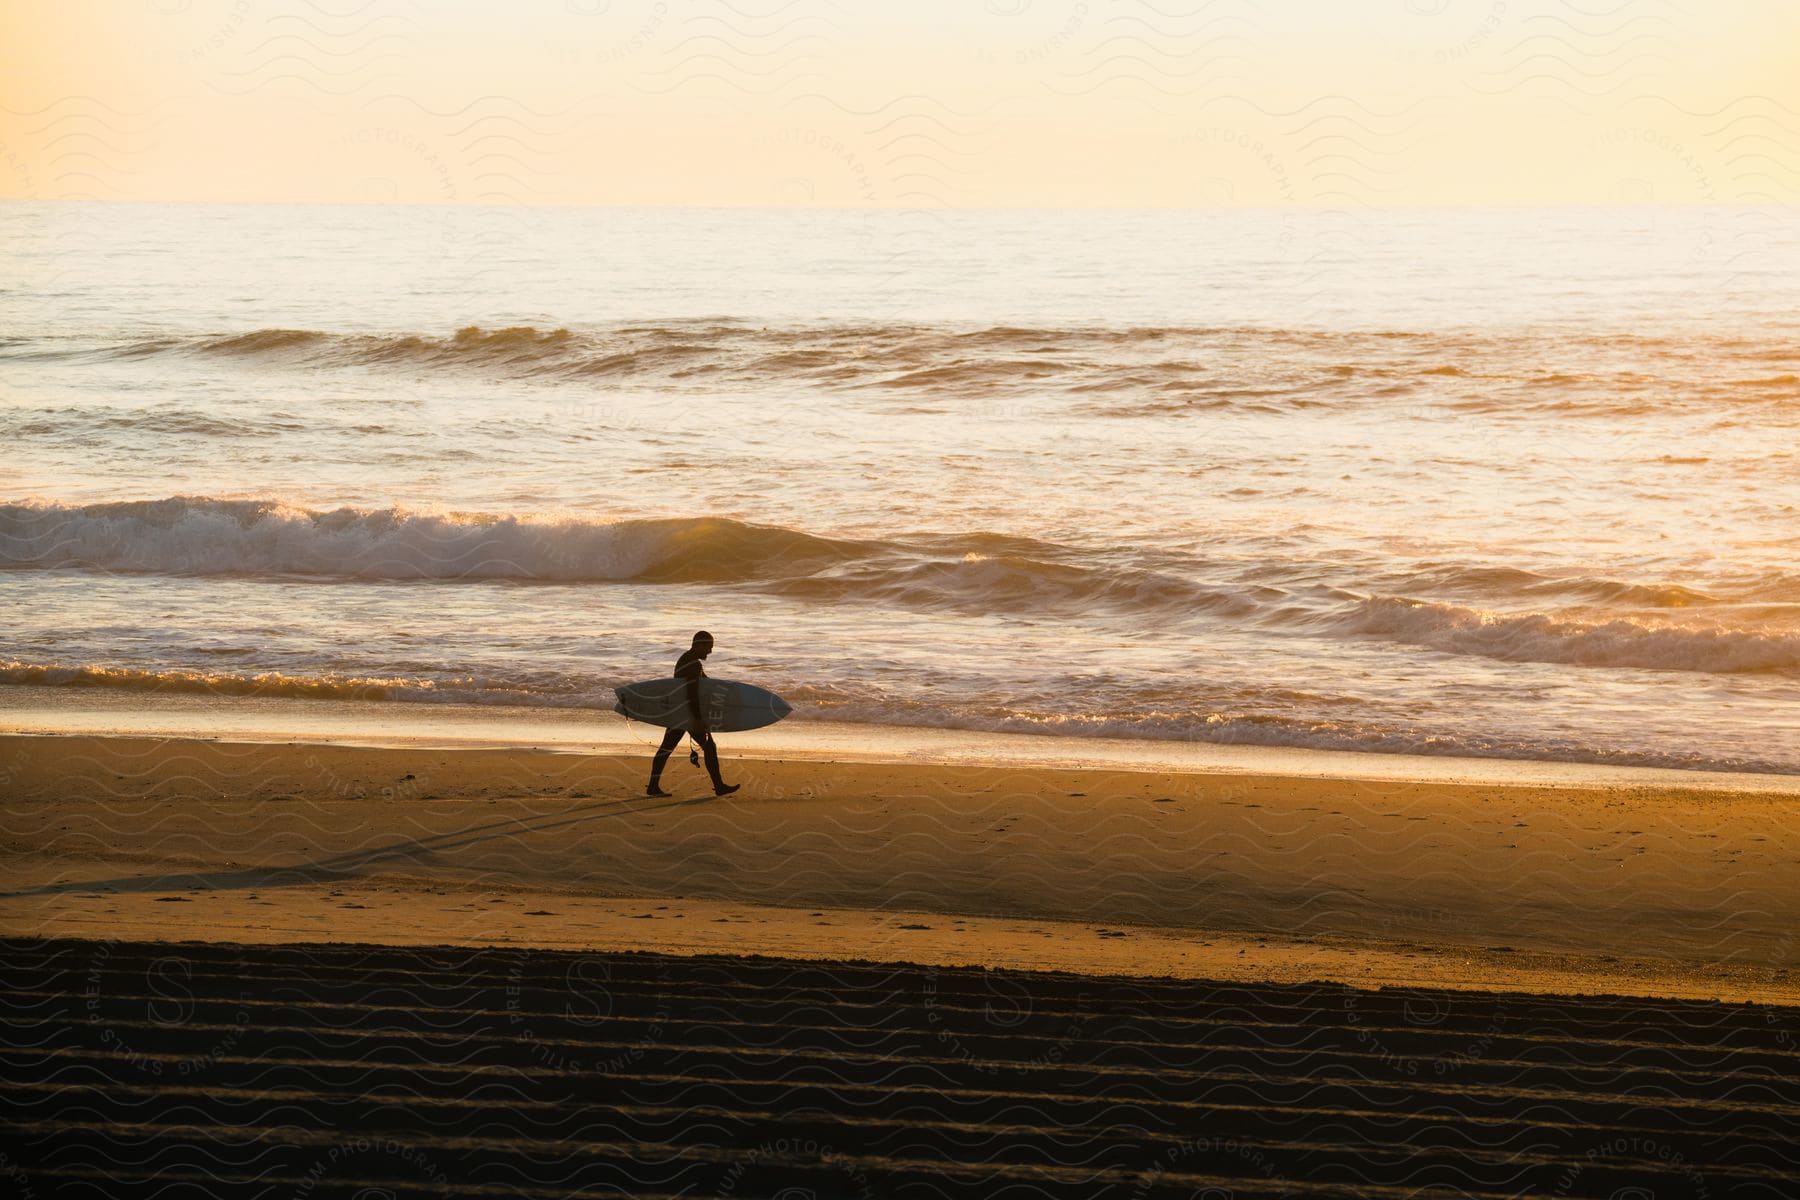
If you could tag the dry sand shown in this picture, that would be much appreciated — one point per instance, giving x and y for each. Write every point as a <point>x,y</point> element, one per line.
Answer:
<point>1651,891</point>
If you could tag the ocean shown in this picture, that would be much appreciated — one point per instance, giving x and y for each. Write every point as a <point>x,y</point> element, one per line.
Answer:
<point>1513,483</point>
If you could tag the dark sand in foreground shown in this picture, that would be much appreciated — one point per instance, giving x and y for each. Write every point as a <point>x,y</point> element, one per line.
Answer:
<point>321,1071</point>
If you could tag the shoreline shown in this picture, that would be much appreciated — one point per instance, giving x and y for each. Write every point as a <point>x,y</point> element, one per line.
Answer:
<point>383,724</point>
<point>1651,891</point>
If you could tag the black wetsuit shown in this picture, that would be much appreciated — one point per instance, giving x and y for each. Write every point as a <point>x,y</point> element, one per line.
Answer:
<point>688,667</point>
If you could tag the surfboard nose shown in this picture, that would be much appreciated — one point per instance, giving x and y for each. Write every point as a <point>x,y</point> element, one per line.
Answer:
<point>779,707</point>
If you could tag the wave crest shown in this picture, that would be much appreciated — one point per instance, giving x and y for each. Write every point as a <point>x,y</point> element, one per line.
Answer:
<point>187,535</point>
<point>1542,637</point>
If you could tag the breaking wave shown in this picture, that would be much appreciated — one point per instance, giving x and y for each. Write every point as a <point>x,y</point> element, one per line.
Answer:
<point>1547,638</point>
<point>204,536</point>
<point>1481,610</point>
<point>969,572</point>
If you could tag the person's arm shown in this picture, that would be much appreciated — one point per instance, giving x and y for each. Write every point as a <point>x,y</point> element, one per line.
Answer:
<point>697,723</point>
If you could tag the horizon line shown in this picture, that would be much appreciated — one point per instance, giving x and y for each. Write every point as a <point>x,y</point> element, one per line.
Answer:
<point>939,209</point>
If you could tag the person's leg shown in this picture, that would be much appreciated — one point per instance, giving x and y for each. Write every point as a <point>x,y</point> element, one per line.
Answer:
<point>671,739</point>
<point>711,749</point>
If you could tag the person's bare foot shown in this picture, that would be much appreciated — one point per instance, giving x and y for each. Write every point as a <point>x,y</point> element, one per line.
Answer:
<point>725,789</point>
<point>654,790</point>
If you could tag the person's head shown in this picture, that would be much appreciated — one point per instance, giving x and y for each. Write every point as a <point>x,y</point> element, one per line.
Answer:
<point>703,643</point>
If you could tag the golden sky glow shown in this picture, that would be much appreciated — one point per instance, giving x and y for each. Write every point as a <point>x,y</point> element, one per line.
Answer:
<point>926,104</point>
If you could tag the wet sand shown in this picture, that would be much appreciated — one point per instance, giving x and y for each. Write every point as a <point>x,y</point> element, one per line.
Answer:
<point>1648,890</point>
<point>108,712</point>
<point>327,1070</point>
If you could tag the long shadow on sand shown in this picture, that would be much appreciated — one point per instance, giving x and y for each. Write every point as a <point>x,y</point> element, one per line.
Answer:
<point>342,867</point>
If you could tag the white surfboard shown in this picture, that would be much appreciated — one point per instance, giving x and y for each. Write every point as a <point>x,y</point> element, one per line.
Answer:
<point>729,706</point>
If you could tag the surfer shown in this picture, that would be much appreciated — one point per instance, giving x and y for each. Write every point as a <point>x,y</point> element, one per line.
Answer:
<point>688,667</point>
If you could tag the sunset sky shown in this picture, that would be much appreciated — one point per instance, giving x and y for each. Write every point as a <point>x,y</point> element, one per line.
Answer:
<point>923,105</point>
